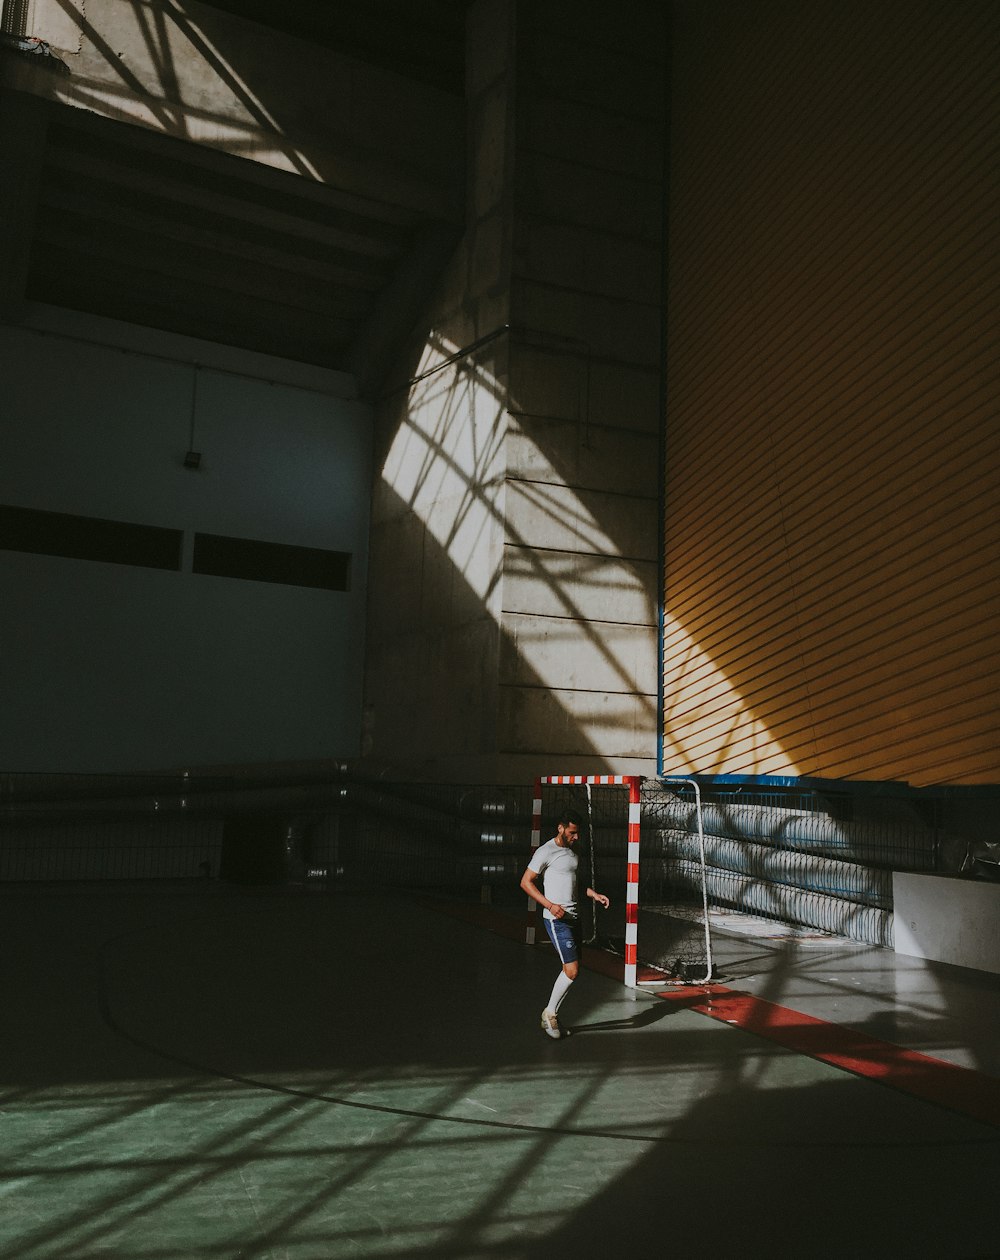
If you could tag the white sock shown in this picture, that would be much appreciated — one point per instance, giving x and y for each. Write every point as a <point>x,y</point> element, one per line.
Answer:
<point>559,991</point>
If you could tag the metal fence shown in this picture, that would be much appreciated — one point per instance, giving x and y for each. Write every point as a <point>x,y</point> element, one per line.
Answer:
<point>326,830</point>
<point>139,827</point>
<point>796,856</point>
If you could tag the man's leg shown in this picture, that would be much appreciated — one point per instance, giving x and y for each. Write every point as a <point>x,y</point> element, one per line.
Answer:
<point>564,939</point>
<point>561,987</point>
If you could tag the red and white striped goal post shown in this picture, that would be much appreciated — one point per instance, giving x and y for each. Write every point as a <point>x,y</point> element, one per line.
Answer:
<point>633,782</point>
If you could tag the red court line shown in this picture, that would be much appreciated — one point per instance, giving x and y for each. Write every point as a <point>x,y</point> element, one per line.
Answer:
<point>964,1090</point>
<point>936,1081</point>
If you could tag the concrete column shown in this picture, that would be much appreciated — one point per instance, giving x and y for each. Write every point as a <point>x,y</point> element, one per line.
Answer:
<point>513,615</point>
<point>578,682</point>
<point>438,499</point>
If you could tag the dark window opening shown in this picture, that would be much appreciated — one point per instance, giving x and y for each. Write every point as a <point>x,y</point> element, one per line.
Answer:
<point>87,538</point>
<point>271,562</point>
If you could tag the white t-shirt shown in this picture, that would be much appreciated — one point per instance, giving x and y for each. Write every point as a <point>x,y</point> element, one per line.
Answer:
<point>557,863</point>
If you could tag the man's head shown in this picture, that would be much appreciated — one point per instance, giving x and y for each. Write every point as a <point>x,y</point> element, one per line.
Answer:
<point>568,828</point>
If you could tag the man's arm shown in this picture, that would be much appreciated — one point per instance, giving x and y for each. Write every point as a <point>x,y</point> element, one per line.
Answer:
<point>598,897</point>
<point>529,886</point>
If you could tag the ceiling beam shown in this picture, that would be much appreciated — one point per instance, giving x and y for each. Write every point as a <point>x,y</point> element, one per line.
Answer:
<point>194,310</point>
<point>399,305</point>
<point>354,234</point>
<point>204,236</point>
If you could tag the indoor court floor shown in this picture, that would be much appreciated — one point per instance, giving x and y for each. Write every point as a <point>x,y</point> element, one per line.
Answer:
<point>224,1072</point>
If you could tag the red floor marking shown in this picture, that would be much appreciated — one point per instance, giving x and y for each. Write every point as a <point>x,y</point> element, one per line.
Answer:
<point>935,1081</point>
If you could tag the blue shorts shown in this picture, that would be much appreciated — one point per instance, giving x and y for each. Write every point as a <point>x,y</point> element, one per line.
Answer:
<point>564,936</point>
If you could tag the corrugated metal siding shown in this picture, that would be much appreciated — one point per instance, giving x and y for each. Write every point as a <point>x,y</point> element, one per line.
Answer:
<point>833,446</point>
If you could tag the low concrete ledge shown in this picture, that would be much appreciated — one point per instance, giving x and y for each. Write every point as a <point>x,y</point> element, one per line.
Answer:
<point>947,920</point>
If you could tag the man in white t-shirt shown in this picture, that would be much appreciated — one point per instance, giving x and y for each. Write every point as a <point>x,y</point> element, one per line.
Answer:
<point>556,864</point>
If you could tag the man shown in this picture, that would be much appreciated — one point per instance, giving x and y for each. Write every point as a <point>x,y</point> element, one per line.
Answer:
<point>556,863</point>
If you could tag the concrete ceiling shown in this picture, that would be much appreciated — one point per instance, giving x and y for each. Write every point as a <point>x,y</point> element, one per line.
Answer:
<point>155,231</point>
<point>424,41</point>
<point>140,226</point>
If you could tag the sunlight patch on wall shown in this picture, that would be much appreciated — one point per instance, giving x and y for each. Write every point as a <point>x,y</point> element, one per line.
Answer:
<point>160,68</point>
<point>578,663</point>
<point>554,516</point>
<point>708,728</point>
<point>576,616</point>
<point>446,464</point>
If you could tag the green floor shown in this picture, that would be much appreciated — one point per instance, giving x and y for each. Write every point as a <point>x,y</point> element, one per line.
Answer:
<point>217,1073</point>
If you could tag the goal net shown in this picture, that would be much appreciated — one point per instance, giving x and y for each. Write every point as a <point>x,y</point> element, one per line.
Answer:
<point>659,926</point>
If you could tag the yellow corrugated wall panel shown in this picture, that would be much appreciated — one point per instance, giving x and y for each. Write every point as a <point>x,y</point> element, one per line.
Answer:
<point>828,626</point>
<point>832,532</point>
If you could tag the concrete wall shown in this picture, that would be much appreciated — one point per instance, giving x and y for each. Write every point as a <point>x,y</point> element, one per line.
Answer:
<point>512,625</point>
<point>581,561</point>
<point>438,498</point>
<point>947,920</point>
<point>112,667</point>
<point>831,523</point>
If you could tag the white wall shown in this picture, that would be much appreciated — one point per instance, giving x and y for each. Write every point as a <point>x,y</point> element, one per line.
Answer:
<point>947,920</point>
<point>112,667</point>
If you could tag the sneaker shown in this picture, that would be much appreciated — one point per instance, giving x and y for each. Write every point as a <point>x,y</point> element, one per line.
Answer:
<point>550,1025</point>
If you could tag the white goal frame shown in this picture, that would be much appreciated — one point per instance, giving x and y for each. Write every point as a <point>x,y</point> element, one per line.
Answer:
<point>693,783</point>
<point>634,784</point>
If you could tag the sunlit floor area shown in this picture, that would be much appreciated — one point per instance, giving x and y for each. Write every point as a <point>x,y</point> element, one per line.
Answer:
<point>216,1072</point>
